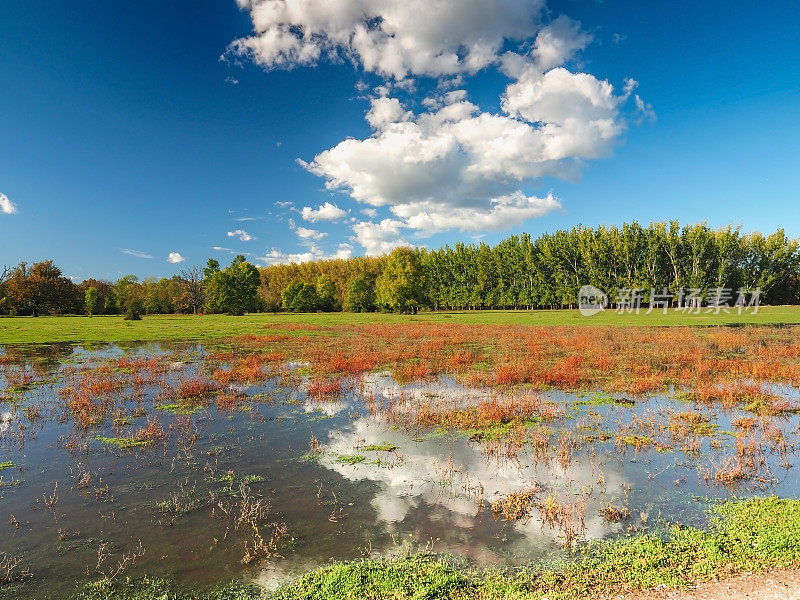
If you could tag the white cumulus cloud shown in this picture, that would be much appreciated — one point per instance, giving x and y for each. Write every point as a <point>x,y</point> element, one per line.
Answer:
<point>6,206</point>
<point>175,258</point>
<point>241,234</point>
<point>451,165</point>
<point>385,111</point>
<point>309,234</point>
<point>455,167</point>
<point>326,212</point>
<point>558,42</point>
<point>391,38</point>
<point>278,257</point>
<point>502,213</point>
<point>379,238</point>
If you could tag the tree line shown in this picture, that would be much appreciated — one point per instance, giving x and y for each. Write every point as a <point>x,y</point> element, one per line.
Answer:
<point>519,272</point>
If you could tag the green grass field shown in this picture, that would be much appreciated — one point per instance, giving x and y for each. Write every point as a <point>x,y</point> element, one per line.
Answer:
<point>25,330</point>
<point>745,536</point>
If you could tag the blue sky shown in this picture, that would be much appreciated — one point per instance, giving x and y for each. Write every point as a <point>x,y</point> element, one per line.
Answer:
<point>122,130</point>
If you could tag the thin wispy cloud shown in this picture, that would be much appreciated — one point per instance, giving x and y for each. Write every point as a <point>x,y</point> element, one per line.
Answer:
<point>136,253</point>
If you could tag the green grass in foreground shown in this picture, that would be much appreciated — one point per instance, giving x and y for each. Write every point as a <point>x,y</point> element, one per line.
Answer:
<point>751,535</point>
<point>22,330</point>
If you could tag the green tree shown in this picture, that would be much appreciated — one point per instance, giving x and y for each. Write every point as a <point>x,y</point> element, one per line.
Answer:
<point>125,287</point>
<point>290,293</point>
<point>772,264</point>
<point>307,299</point>
<point>158,296</point>
<point>134,306</point>
<point>400,288</point>
<point>233,290</point>
<point>212,268</point>
<point>361,294</point>
<point>301,297</point>
<point>91,297</point>
<point>131,296</point>
<point>106,296</point>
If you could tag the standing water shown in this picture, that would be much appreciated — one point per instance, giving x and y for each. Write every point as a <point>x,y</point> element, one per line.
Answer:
<point>123,461</point>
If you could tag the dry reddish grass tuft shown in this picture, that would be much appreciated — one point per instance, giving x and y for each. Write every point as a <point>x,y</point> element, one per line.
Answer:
<point>194,388</point>
<point>324,389</point>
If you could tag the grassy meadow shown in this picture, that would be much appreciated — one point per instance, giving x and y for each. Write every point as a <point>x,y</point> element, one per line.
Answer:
<point>27,330</point>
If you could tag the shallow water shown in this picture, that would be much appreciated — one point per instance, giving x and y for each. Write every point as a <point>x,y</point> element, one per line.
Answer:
<point>72,506</point>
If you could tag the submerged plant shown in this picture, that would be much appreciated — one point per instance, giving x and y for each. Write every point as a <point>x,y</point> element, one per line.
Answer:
<point>124,443</point>
<point>348,459</point>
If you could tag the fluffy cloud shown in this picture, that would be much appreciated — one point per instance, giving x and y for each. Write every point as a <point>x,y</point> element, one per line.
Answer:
<point>278,257</point>
<point>379,238</point>
<point>241,234</point>
<point>175,258</point>
<point>393,39</point>
<point>504,212</point>
<point>560,97</point>
<point>578,115</point>
<point>326,212</point>
<point>6,206</point>
<point>451,165</point>
<point>558,42</point>
<point>456,167</point>
<point>309,234</point>
<point>385,111</point>
<point>343,252</point>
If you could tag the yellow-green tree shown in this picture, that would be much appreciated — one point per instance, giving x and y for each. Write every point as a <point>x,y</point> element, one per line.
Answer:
<point>401,286</point>
<point>91,300</point>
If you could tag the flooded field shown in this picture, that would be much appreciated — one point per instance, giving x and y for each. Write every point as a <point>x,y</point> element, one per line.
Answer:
<point>209,464</point>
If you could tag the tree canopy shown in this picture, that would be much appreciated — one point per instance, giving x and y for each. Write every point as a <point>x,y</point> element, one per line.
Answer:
<point>40,288</point>
<point>518,272</point>
<point>401,286</point>
<point>233,290</point>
